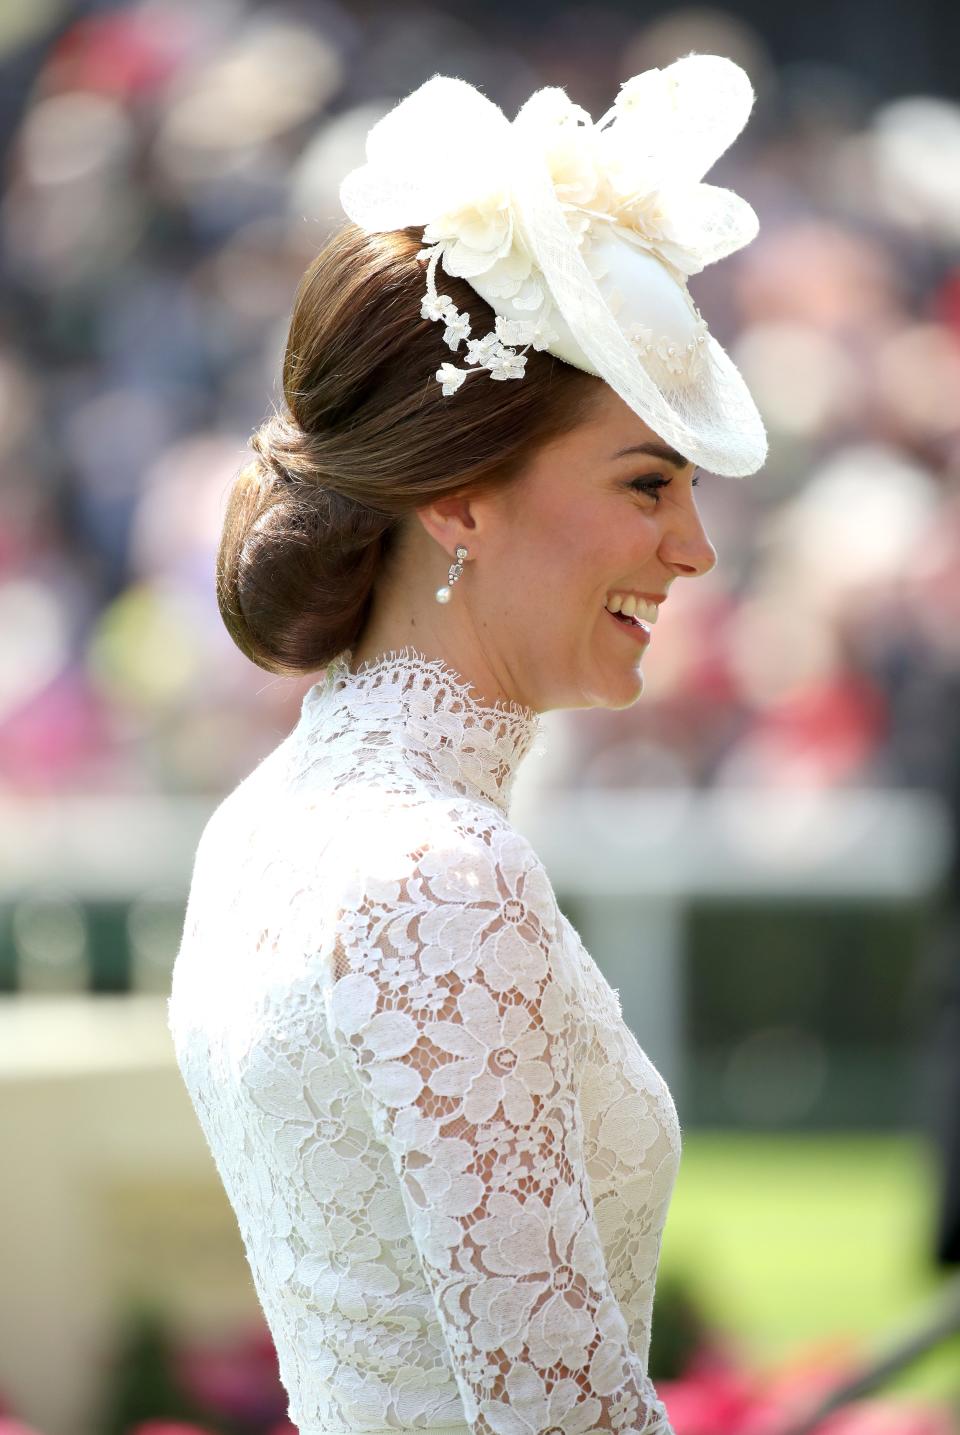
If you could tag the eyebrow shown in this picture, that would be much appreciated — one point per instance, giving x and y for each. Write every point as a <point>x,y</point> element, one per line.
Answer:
<point>655,450</point>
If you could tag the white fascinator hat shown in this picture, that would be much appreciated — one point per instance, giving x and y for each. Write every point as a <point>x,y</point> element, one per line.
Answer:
<point>581,236</point>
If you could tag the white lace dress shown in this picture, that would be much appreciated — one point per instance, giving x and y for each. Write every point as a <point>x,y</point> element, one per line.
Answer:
<point>449,1159</point>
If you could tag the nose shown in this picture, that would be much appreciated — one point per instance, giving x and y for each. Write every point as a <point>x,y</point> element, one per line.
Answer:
<point>685,545</point>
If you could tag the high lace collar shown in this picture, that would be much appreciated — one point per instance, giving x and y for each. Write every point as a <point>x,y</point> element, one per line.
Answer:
<point>473,748</point>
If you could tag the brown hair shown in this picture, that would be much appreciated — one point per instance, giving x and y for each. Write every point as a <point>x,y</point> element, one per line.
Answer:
<point>367,437</point>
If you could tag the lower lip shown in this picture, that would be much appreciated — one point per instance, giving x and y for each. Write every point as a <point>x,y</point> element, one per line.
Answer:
<point>636,631</point>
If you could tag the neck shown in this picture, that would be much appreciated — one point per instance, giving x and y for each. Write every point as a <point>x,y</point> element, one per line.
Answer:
<point>458,649</point>
<point>437,725</point>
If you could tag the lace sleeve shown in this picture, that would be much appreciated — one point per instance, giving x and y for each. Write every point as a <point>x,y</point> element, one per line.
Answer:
<point>455,1009</point>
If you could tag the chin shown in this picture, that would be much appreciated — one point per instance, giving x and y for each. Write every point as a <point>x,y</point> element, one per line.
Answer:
<point>618,690</point>
<point>632,691</point>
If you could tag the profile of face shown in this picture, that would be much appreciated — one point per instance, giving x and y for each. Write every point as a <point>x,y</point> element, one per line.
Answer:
<point>607,510</point>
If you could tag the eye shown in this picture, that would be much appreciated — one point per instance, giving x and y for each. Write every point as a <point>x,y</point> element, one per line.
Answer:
<point>654,482</point>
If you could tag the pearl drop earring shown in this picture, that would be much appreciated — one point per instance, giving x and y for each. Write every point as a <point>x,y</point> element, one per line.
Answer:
<point>443,595</point>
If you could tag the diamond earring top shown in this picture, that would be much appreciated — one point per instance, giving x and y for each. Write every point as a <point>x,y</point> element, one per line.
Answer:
<point>444,594</point>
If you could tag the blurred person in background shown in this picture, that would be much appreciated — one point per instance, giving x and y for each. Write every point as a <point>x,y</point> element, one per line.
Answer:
<point>383,1022</point>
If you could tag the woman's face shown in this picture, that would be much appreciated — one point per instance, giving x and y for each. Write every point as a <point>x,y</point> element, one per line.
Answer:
<point>588,520</point>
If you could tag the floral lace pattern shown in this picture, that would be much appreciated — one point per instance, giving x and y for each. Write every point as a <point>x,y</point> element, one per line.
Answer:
<point>449,1159</point>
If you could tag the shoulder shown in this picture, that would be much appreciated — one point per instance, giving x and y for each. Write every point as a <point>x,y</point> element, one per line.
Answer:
<point>448,878</point>
<point>454,851</point>
<point>464,927</point>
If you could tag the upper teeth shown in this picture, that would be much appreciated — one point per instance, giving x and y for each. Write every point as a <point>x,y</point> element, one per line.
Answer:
<point>633,607</point>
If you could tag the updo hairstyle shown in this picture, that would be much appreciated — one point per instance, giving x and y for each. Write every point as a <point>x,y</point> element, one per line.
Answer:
<point>367,437</point>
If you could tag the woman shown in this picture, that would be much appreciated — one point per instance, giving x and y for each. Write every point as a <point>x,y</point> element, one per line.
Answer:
<point>449,1158</point>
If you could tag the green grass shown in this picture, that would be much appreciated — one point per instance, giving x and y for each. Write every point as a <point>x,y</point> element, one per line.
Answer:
<point>788,1241</point>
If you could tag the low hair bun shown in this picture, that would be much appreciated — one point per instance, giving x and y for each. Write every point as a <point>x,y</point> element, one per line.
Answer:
<point>297,558</point>
<point>277,444</point>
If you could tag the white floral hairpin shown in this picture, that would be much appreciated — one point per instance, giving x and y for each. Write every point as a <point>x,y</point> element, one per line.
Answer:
<point>494,352</point>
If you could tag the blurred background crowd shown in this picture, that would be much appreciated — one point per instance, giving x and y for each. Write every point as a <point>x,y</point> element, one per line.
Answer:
<point>172,167</point>
<point>171,170</point>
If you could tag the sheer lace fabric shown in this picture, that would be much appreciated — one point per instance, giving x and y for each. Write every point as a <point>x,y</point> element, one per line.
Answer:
<point>449,1159</point>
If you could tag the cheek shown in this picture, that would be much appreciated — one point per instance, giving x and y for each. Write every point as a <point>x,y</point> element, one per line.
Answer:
<point>547,552</point>
<point>616,550</point>
<point>569,554</point>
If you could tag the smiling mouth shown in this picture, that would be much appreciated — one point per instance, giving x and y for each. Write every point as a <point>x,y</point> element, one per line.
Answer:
<point>629,620</point>
<point>640,628</point>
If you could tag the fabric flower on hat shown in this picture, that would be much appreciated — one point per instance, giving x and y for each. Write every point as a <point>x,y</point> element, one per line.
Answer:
<point>665,129</point>
<point>568,141</point>
<point>570,152</point>
<point>448,173</point>
<point>512,278</point>
<point>452,178</point>
<point>477,233</point>
<point>652,94</point>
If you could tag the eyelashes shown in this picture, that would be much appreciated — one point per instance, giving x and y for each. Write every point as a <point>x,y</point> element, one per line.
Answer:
<point>652,485</point>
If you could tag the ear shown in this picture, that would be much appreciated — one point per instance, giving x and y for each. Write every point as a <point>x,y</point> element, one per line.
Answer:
<point>450,521</point>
